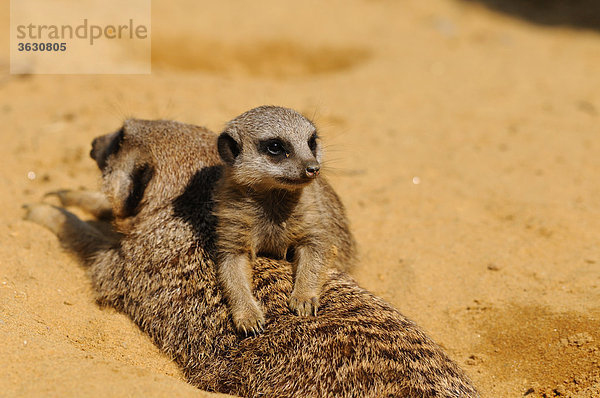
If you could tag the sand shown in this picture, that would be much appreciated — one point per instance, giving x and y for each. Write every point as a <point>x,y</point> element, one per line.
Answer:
<point>464,142</point>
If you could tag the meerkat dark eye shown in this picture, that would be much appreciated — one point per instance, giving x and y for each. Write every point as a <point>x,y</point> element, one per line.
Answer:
<point>140,178</point>
<point>275,148</point>
<point>312,142</point>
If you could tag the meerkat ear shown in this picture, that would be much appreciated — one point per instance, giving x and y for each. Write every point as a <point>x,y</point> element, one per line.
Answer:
<point>104,146</point>
<point>229,148</point>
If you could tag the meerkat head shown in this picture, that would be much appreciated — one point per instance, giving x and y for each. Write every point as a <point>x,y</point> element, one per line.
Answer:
<point>150,162</point>
<point>125,171</point>
<point>271,147</point>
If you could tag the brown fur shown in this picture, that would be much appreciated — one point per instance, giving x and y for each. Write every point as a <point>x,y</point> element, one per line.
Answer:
<point>159,178</point>
<point>270,204</point>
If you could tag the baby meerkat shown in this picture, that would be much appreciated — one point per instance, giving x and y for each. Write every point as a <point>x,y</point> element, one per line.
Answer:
<point>272,201</point>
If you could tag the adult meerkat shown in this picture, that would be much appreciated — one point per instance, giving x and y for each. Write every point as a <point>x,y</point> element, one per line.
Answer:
<point>158,181</point>
<point>271,201</point>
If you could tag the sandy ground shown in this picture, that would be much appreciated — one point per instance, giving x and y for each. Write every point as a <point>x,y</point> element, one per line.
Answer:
<point>464,142</point>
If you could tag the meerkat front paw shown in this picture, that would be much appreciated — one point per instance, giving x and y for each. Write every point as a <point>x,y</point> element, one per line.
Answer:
<point>46,215</point>
<point>63,195</point>
<point>249,320</point>
<point>95,203</point>
<point>303,305</point>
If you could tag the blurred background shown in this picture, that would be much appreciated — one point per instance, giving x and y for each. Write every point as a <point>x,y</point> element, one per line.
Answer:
<point>462,135</point>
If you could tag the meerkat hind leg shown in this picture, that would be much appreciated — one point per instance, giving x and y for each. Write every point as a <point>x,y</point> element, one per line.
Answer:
<point>92,202</point>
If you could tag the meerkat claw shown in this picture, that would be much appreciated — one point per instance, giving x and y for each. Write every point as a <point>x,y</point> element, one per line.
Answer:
<point>303,307</point>
<point>249,326</point>
<point>252,330</point>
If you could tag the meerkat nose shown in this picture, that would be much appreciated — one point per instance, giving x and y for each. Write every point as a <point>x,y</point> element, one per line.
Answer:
<point>312,170</point>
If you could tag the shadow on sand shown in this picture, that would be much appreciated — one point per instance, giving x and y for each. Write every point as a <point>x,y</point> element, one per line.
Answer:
<point>579,14</point>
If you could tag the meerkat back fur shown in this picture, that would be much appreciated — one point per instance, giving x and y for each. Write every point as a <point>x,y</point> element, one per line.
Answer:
<point>158,185</point>
<point>271,201</point>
